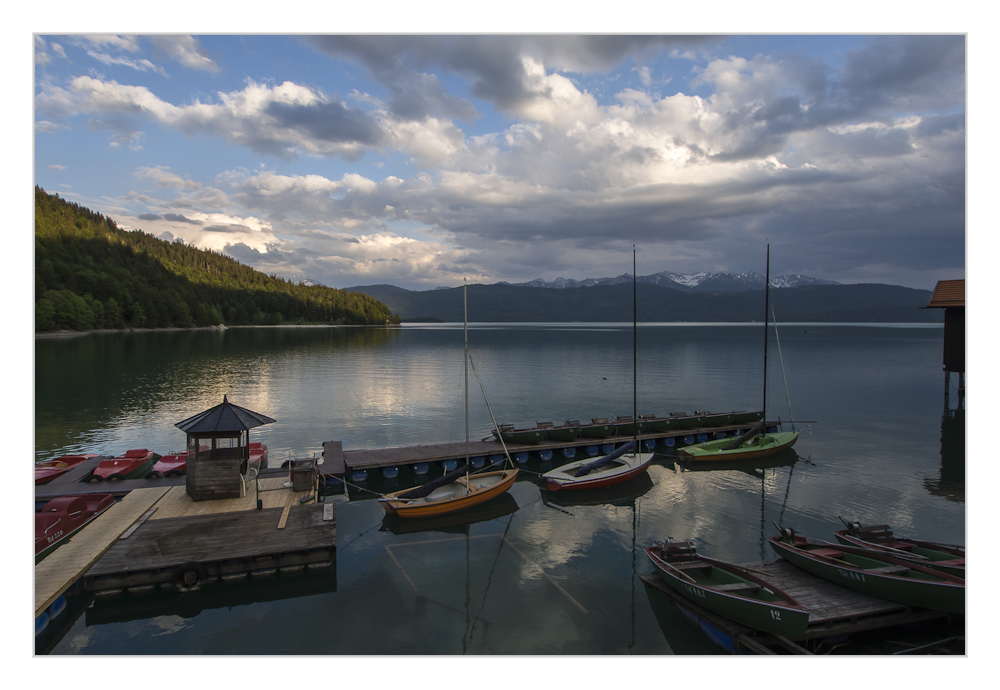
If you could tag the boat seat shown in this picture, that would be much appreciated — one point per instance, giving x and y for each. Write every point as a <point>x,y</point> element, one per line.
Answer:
<point>689,565</point>
<point>898,545</point>
<point>888,570</point>
<point>736,587</point>
<point>831,553</point>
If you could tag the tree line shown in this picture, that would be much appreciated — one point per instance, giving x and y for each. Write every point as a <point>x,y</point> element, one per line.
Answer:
<point>91,274</point>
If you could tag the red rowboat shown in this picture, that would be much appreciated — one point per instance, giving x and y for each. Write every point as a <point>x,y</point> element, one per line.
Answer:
<point>135,464</point>
<point>615,468</point>
<point>50,469</point>
<point>258,455</point>
<point>63,517</point>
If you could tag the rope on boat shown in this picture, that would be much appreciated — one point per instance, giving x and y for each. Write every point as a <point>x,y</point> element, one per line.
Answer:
<point>782,361</point>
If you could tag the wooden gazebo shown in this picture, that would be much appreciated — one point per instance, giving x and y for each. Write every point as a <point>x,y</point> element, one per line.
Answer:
<point>218,449</point>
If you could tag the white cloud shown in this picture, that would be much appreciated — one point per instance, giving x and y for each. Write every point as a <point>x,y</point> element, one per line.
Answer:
<point>186,50</point>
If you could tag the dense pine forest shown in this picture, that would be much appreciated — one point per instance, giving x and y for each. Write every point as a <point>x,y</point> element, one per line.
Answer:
<point>89,274</point>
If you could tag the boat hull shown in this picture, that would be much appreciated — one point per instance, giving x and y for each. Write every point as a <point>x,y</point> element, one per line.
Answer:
<point>562,433</point>
<point>561,479</point>
<point>763,446</point>
<point>926,588</point>
<point>781,615</point>
<point>46,471</point>
<point>451,497</point>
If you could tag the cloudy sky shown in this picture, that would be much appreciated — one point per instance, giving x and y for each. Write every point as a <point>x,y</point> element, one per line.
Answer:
<point>420,160</point>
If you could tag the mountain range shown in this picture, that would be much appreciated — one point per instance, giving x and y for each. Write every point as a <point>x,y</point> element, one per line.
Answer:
<point>698,282</point>
<point>505,303</point>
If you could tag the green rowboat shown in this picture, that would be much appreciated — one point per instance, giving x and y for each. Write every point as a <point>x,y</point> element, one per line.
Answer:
<point>599,427</point>
<point>873,572</point>
<point>728,590</point>
<point>947,558</point>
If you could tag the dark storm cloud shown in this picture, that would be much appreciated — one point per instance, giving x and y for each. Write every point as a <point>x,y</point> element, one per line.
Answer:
<point>148,216</point>
<point>177,218</point>
<point>331,122</point>
<point>493,64</point>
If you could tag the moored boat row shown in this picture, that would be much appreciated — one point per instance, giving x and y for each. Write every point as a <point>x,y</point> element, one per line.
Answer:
<point>622,426</point>
<point>876,569</point>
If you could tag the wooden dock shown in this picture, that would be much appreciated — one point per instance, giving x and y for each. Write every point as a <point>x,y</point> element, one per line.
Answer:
<point>64,566</point>
<point>159,536</point>
<point>833,611</point>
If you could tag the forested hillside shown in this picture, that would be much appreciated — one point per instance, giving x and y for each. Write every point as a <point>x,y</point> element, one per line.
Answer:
<point>91,274</point>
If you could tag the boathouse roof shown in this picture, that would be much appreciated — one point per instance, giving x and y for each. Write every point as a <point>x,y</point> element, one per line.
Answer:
<point>948,293</point>
<point>225,418</point>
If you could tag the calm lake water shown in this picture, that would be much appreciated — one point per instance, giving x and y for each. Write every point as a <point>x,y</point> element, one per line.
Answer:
<point>532,575</point>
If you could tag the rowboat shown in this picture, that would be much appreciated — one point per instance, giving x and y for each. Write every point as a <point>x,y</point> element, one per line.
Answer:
<point>135,464</point>
<point>599,427</point>
<point>728,590</point>
<point>508,434</point>
<point>567,431</point>
<point>62,517</point>
<point>657,425</point>
<point>757,442</point>
<point>873,572</point>
<point>727,449</point>
<point>459,491</point>
<point>614,468</point>
<point>944,557</point>
<point>688,421</point>
<point>48,470</point>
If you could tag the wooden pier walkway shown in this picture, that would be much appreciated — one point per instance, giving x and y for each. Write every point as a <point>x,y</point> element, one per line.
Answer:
<point>833,610</point>
<point>64,566</point>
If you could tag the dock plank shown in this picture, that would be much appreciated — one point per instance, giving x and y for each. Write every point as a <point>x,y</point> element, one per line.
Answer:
<point>212,538</point>
<point>64,566</point>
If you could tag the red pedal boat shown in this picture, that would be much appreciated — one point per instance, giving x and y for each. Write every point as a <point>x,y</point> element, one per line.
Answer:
<point>63,517</point>
<point>135,464</point>
<point>50,469</point>
<point>171,465</point>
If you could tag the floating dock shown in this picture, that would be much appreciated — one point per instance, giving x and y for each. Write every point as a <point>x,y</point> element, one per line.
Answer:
<point>833,611</point>
<point>379,458</point>
<point>161,537</point>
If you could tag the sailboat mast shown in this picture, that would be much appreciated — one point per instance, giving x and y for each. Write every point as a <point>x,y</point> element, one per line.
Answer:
<point>465,330</point>
<point>767,299</point>
<point>635,349</point>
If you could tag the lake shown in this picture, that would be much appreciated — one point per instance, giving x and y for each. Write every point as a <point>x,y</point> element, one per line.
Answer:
<point>532,574</point>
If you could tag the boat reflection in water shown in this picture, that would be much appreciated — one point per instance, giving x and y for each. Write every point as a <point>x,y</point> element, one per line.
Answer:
<point>453,523</point>
<point>785,458</point>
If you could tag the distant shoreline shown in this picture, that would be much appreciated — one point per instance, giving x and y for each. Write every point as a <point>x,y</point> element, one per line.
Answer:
<point>174,329</point>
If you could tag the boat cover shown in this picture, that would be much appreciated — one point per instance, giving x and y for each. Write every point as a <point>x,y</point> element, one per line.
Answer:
<point>601,462</point>
<point>757,428</point>
<point>425,489</point>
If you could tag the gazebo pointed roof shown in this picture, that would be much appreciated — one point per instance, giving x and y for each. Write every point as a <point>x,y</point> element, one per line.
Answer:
<point>223,418</point>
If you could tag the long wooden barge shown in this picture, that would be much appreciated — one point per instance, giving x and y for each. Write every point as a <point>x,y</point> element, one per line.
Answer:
<point>834,612</point>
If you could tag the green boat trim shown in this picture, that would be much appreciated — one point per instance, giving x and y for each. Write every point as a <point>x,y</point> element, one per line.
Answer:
<point>875,573</point>
<point>728,590</point>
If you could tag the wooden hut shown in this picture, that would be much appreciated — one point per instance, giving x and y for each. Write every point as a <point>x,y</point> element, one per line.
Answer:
<point>218,450</point>
<point>950,296</point>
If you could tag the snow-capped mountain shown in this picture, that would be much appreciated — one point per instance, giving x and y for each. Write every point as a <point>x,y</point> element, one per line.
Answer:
<point>701,282</point>
<point>310,283</point>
